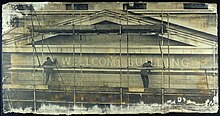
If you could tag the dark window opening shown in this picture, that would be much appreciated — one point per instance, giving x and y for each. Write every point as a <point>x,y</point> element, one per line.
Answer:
<point>68,6</point>
<point>16,22</point>
<point>195,6</point>
<point>134,6</point>
<point>24,7</point>
<point>80,6</point>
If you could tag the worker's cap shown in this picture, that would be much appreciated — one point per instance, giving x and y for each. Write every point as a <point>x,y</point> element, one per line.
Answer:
<point>148,61</point>
<point>48,58</point>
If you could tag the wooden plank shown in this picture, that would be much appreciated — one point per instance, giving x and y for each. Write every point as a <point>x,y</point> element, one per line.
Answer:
<point>136,89</point>
<point>112,50</point>
<point>113,70</point>
<point>97,28</point>
<point>22,86</point>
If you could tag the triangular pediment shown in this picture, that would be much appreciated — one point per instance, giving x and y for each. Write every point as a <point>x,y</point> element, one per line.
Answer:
<point>109,40</point>
<point>118,17</point>
<point>176,33</point>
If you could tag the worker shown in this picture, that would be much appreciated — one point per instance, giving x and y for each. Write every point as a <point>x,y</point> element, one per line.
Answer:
<point>145,72</point>
<point>48,68</point>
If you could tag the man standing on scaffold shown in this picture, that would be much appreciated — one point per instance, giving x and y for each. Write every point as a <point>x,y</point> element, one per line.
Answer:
<point>144,73</point>
<point>48,68</point>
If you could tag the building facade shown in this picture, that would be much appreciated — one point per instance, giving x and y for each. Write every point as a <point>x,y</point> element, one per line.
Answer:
<point>100,49</point>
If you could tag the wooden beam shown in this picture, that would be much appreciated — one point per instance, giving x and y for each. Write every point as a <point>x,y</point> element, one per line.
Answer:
<point>155,70</point>
<point>136,89</point>
<point>103,28</point>
<point>15,86</point>
<point>86,12</point>
<point>110,49</point>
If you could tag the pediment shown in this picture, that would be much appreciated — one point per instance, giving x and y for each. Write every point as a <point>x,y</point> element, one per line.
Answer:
<point>118,17</point>
<point>178,33</point>
<point>109,40</point>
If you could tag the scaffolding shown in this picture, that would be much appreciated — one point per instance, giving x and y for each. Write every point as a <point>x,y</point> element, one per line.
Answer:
<point>121,91</point>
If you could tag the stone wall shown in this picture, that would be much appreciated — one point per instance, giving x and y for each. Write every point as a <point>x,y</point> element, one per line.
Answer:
<point>104,70</point>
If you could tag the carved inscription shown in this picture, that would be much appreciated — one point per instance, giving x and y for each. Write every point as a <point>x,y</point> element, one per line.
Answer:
<point>121,62</point>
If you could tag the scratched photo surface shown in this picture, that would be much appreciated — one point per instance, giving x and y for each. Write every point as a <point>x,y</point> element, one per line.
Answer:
<point>109,57</point>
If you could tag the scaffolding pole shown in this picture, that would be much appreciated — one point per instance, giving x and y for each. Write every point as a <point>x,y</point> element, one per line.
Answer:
<point>128,59</point>
<point>214,51</point>
<point>42,54</point>
<point>168,45</point>
<point>127,39</point>
<point>162,80</point>
<point>33,63</point>
<point>74,65</point>
<point>120,33</point>
<point>80,39</point>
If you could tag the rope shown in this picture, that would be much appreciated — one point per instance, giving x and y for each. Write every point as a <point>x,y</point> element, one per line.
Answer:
<point>33,45</point>
<point>66,90</point>
<point>8,31</point>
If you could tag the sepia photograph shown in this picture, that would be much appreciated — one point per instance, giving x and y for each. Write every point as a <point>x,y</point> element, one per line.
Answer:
<point>109,57</point>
